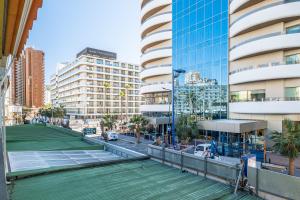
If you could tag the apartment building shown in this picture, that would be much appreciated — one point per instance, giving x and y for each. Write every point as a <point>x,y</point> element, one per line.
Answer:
<point>17,81</point>
<point>264,73</point>
<point>96,84</point>
<point>27,79</point>
<point>156,60</point>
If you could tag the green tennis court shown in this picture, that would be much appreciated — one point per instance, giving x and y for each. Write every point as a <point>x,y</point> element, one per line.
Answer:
<point>42,138</point>
<point>136,180</point>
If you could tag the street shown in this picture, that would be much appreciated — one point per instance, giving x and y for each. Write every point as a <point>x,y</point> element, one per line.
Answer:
<point>129,143</point>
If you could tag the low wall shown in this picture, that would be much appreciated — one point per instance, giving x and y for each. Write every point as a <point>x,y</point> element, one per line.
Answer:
<point>273,185</point>
<point>211,168</point>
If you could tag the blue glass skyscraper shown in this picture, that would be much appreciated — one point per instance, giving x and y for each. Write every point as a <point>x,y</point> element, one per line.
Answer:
<point>200,48</point>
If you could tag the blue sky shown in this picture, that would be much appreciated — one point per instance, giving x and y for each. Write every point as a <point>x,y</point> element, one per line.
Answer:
<point>64,27</point>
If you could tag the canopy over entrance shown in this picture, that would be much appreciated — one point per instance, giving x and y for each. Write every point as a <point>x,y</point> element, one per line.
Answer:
<point>232,125</point>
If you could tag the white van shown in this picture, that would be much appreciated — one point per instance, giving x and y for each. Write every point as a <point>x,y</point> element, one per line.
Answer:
<point>202,150</point>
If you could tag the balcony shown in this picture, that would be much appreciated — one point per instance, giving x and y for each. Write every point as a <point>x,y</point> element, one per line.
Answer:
<point>155,108</point>
<point>155,38</point>
<point>152,6</point>
<point>265,44</point>
<point>237,5</point>
<point>155,87</point>
<point>156,71</point>
<point>268,106</point>
<point>263,73</point>
<point>265,16</point>
<point>155,21</point>
<point>156,54</point>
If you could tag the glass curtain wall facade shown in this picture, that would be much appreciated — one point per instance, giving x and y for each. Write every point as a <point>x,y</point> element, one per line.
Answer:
<point>200,48</point>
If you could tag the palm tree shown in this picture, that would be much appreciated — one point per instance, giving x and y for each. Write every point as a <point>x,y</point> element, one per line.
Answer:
<point>139,122</point>
<point>186,128</point>
<point>288,143</point>
<point>106,87</point>
<point>109,121</point>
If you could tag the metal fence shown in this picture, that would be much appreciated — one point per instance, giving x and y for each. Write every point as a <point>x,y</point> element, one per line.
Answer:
<point>268,184</point>
<point>226,172</point>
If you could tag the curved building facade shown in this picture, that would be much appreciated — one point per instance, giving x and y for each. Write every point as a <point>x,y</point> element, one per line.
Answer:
<point>156,60</point>
<point>264,56</point>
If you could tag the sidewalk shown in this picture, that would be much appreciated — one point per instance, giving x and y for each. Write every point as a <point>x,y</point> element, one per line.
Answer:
<point>283,161</point>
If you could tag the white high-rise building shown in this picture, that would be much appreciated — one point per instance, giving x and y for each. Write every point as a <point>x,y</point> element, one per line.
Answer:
<point>156,60</point>
<point>264,72</point>
<point>96,84</point>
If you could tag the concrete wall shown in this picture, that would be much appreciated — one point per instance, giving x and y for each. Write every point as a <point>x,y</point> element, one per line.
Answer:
<point>272,185</point>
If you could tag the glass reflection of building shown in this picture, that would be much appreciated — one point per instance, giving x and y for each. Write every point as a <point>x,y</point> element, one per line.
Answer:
<point>200,47</point>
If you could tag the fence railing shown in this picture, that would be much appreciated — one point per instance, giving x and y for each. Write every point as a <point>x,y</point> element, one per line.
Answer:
<point>208,167</point>
<point>269,184</point>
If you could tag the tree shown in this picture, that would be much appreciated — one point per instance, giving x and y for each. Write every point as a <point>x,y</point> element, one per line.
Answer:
<point>25,113</point>
<point>109,121</point>
<point>139,122</point>
<point>288,142</point>
<point>49,111</point>
<point>186,127</point>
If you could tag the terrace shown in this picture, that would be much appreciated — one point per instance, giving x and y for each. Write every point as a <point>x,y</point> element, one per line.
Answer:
<point>127,177</point>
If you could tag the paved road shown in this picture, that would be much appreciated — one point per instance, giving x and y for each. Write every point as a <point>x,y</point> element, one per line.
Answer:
<point>129,143</point>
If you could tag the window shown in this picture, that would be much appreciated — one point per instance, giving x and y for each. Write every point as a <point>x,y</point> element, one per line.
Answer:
<point>123,65</point>
<point>99,69</point>
<point>99,61</point>
<point>256,95</point>
<point>136,67</point>
<point>116,64</point>
<point>252,95</point>
<point>292,93</point>
<point>130,66</point>
<point>293,29</point>
<point>107,70</point>
<point>90,60</point>
<point>292,59</point>
<point>107,63</point>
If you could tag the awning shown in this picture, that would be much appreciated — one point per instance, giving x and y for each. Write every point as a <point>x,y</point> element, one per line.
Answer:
<point>16,21</point>
<point>232,125</point>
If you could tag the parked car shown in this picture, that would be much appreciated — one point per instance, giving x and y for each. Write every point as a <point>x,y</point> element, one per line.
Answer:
<point>110,135</point>
<point>202,150</point>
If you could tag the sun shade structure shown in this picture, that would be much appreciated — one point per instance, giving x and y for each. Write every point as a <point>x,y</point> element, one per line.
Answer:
<point>16,20</point>
<point>232,126</point>
<point>135,180</point>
